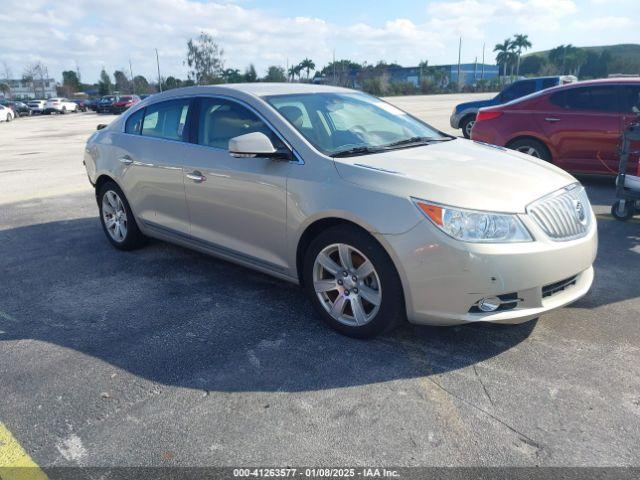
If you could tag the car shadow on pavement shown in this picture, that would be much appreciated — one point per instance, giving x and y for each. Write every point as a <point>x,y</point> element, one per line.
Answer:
<point>181,318</point>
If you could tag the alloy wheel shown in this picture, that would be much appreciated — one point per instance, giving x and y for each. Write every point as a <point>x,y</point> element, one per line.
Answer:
<point>114,216</point>
<point>468,127</point>
<point>529,150</point>
<point>347,284</point>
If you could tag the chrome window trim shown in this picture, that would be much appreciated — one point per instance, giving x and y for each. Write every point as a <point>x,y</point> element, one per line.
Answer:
<point>297,158</point>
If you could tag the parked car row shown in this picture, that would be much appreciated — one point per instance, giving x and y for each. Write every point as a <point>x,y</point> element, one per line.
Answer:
<point>464,114</point>
<point>106,104</point>
<point>576,127</point>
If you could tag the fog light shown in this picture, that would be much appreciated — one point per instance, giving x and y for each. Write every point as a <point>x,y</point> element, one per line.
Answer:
<point>489,304</point>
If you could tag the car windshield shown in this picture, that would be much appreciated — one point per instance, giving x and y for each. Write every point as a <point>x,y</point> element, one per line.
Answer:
<point>352,123</point>
<point>125,99</point>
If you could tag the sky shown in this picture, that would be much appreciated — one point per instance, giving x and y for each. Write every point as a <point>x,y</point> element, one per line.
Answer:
<point>88,35</point>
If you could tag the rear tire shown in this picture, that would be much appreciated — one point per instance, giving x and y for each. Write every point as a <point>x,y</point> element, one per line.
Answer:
<point>365,302</point>
<point>623,214</point>
<point>117,219</point>
<point>467,124</point>
<point>532,147</point>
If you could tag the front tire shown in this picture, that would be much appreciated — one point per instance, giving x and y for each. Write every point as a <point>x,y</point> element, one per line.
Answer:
<point>117,219</point>
<point>467,125</point>
<point>352,283</point>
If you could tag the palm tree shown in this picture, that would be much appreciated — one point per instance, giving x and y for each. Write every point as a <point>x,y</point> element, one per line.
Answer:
<point>293,71</point>
<point>520,42</point>
<point>307,64</point>
<point>504,54</point>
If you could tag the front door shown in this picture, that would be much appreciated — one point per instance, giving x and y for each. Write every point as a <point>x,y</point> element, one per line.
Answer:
<point>236,205</point>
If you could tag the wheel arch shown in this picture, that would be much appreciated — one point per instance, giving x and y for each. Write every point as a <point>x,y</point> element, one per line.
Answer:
<point>319,225</point>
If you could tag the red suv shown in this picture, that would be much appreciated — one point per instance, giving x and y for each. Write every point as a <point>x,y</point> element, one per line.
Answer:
<point>577,127</point>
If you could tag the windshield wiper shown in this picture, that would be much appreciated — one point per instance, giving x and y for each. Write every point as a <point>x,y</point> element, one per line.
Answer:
<point>352,152</point>
<point>417,141</point>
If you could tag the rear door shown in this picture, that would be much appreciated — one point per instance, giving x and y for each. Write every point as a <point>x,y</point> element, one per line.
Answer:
<point>152,151</point>
<point>583,126</point>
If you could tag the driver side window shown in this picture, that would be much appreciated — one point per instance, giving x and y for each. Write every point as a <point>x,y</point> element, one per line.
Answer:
<point>220,120</point>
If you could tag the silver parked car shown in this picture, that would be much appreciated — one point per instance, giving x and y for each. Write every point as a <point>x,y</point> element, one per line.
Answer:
<point>379,216</point>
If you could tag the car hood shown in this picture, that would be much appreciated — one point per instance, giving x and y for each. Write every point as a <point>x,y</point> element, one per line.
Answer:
<point>476,104</point>
<point>459,173</point>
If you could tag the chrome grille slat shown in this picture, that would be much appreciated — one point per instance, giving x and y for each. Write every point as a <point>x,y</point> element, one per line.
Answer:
<point>558,214</point>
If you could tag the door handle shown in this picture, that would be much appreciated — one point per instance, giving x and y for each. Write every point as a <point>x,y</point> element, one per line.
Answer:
<point>126,160</point>
<point>551,119</point>
<point>196,177</point>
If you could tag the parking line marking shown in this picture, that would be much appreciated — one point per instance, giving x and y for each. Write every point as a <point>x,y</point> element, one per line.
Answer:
<point>15,462</point>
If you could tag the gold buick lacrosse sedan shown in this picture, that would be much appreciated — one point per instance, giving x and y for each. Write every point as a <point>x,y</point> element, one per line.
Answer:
<point>378,216</point>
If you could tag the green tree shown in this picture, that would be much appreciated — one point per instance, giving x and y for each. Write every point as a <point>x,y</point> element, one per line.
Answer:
<point>205,60</point>
<point>503,57</point>
<point>532,64</point>
<point>232,75</point>
<point>70,82</point>
<point>308,65</point>
<point>275,74</point>
<point>250,74</point>
<point>568,58</point>
<point>105,87</point>
<point>122,82</point>
<point>342,72</point>
<point>170,83</point>
<point>141,84</point>
<point>520,42</point>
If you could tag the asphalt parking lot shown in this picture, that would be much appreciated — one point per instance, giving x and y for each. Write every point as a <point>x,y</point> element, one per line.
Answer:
<point>164,356</point>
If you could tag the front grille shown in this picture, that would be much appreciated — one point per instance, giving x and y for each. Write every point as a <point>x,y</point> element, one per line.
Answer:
<point>563,215</point>
<point>556,287</point>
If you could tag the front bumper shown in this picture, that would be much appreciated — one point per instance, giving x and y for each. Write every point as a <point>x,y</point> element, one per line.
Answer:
<point>454,120</point>
<point>443,278</point>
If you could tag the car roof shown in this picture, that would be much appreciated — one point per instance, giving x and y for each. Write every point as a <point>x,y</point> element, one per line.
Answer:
<point>263,89</point>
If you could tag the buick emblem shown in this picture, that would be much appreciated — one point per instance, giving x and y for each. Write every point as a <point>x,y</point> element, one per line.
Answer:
<point>581,215</point>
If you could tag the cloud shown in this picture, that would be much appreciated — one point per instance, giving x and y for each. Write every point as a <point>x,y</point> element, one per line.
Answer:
<point>63,33</point>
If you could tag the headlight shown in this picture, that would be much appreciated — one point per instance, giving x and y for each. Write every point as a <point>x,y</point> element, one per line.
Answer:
<point>474,225</point>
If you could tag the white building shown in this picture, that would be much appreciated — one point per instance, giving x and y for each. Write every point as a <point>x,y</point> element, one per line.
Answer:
<point>26,90</point>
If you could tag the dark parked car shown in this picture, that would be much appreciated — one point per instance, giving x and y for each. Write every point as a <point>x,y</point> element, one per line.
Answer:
<point>82,104</point>
<point>576,127</point>
<point>124,102</point>
<point>464,115</point>
<point>19,109</point>
<point>105,103</point>
<point>92,104</point>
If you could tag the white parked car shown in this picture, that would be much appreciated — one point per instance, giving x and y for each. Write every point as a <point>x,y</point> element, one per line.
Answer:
<point>6,114</point>
<point>36,106</point>
<point>60,105</point>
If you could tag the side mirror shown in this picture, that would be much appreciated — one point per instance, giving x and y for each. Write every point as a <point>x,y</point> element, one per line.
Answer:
<point>255,144</point>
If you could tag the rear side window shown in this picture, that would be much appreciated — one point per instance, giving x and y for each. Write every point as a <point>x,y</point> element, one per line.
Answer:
<point>134,123</point>
<point>220,120</point>
<point>596,98</point>
<point>549,82</point>
<point>166,119</point>
<point>630,98</point>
